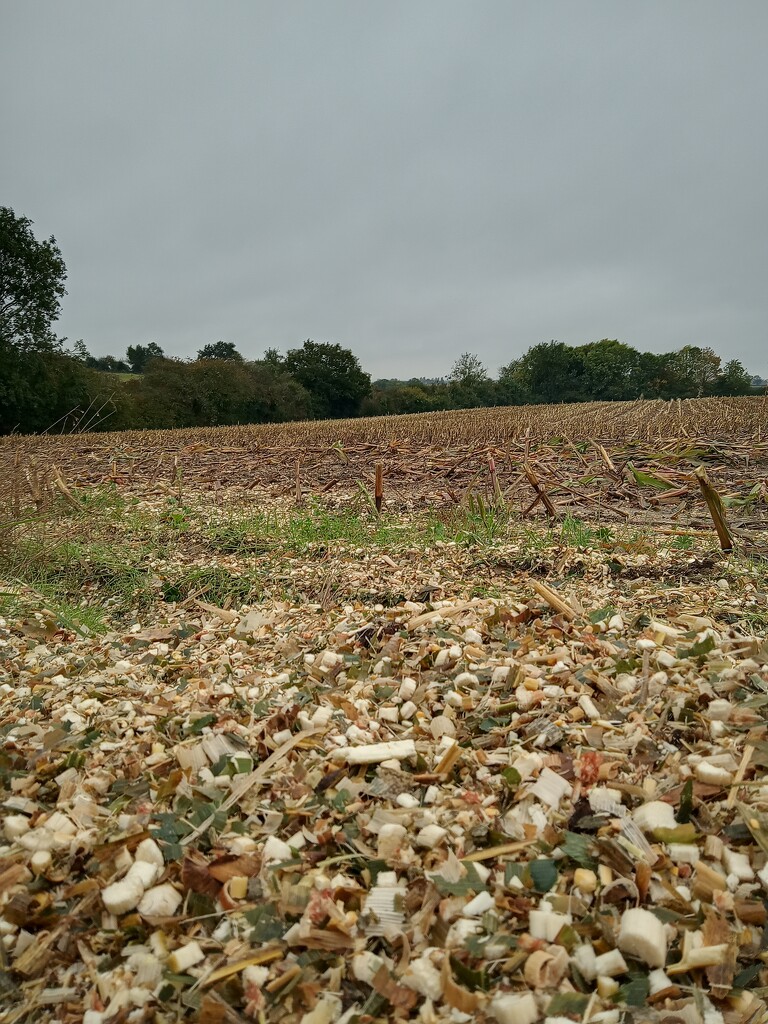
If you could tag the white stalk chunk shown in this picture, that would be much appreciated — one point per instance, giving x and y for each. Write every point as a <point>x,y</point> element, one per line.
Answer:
<point>658,981</point>
<point>550,787</point>
<point>15,825</point>
<point>391,837</point>
<point>373,753</point>
<point>366,965</point>
<point>655,814</point>
<point>704,956</point>
<point>610,964</point>
<point>642,935</point>
<point>430,836</point>
<point>546,924</point>
<point>185,957</point>
<point>149,851</point>
<point>122,896</point>
<point>423,977</point>
<point>585,958</point>
<point>713,774</point>
<point>515,1008</point>
<point>143,872</point>
<point>738,864</point>
<point>161,901</point>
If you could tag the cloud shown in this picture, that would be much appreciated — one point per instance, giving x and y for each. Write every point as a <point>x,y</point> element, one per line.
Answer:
<point>412,180</point>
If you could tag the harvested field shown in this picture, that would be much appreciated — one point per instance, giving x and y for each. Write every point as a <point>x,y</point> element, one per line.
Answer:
<point>600,460</point>
<point>271,755</point>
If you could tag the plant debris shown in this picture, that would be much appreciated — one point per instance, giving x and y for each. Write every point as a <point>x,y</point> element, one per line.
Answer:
<point>542,806</point>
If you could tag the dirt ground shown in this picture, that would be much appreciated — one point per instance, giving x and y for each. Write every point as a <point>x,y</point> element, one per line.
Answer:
<point>456,762</point>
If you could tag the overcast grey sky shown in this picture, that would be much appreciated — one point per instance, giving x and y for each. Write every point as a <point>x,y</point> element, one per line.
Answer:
<point>409,179</point>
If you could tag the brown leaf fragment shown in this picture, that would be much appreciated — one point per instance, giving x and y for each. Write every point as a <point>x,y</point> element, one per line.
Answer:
<point>214,1010</point>
<point>716,931</point>
<point>642,879</point>
<point>750,911</point>
<point>232,866</point>
<point>16,874</point>
<point>397,995</point>
<point>456,995</point>
<point>196,876</point>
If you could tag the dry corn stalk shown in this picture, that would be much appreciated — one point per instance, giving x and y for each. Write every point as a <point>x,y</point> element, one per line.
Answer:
<point>716,510</point>
<point>533,480</point>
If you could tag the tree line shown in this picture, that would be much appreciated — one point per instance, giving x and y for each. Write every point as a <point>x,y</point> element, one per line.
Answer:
<point>46,385</point>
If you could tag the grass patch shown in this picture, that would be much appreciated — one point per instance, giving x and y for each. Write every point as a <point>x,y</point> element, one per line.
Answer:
<point>582,535</point>
<point>122,555</point>
<point>214,584</point>
<point>303,529</point>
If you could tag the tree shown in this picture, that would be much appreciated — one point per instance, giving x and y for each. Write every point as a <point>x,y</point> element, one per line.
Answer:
<point>734,380</point>
<point>552,372</point>
<point>220,350</point>
<point>32,276</point>
<point>107,364</point>
<point>693,372</point>
<point>469,385</point>
<point>333,377</point>
<point>139,355</point>
<point>208,392</point>
<point>610,371</point>
<point>511,387</point>
<point>39,384</point>
<point>468,371</point>
<point>272,357</point>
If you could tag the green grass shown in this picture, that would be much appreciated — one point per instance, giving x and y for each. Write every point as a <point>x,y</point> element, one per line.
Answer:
<point>303,529</point>
<point>125,555</point>
<point>582,535</point>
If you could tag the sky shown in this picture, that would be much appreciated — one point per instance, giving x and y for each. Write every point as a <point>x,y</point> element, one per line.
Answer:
<point>412,180</point>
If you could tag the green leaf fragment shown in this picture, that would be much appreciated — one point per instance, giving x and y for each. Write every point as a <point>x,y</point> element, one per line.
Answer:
<point>685,809</point>
<point>697,650</point>
<point>565,1003</point>
<point>635,991</point>
<point>543,874</point>
<point>467,976</point>
<point>578,848</point>
<point>470,883</point>
<point>196,727</point>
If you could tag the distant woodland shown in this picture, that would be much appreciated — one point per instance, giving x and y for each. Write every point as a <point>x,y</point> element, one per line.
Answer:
<point>46,384</point>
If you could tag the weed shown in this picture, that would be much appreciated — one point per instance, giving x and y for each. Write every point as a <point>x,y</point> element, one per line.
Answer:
<point>176,517</point>
<point>682,543</point>
<point>475,523</point>
<point>214,583</point>
<point>574,531</point>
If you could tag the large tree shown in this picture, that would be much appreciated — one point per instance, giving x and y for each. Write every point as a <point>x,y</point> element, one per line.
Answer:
<point>139,355</point>
<point>552,372</point>
<point>333,377</point>
<point>40,387</point>
<point>220,350</point>
<point>32,276</point>
<point>469,385</point>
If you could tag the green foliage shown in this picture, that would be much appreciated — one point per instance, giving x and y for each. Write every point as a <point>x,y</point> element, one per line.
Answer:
<point>41,385</point>
<point>107,364</point>
<point>220,350</point>
<point>40,390</point>
<point>139,355</point>
<point>333,377</point>
<point>543,874</point>
<point>214,392</point>
<point>32,276</point>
